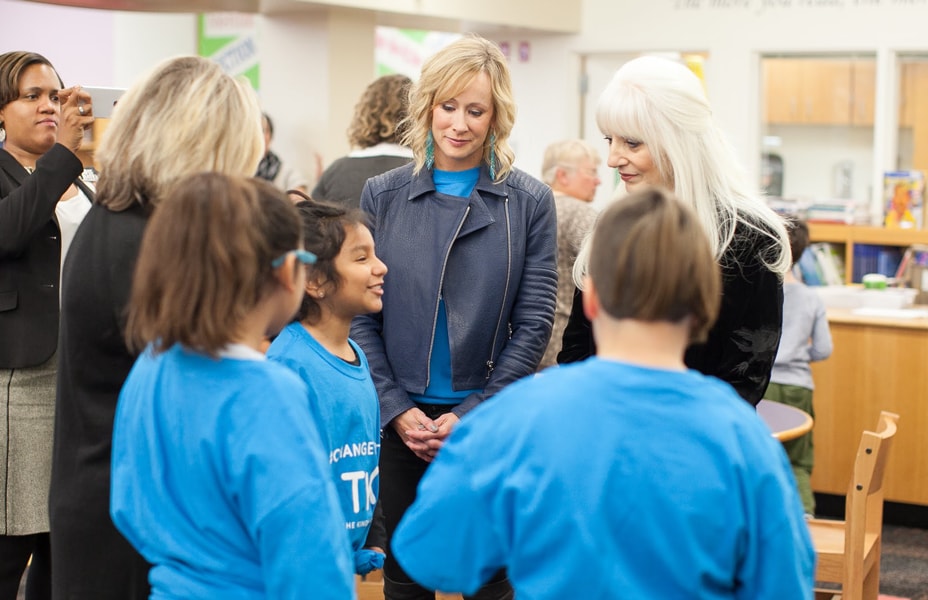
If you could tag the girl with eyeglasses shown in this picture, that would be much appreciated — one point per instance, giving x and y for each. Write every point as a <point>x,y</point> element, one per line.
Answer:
<point>219,478</point>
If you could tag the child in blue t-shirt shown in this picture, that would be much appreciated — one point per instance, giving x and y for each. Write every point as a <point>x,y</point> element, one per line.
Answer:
<point>345,281</point>
<point>627,475</point>
<point>806,338</point>
<point>219,475</point>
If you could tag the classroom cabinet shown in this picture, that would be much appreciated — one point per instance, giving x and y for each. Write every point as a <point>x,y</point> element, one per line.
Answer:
<point>913,109</point>
<point>818,91</point>
<point>878,364</point>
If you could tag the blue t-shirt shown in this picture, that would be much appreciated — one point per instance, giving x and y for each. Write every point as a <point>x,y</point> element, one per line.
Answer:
<point>343,403</point>
<point>439,389</point>
<point>605,478</point>
<point>220,480</point>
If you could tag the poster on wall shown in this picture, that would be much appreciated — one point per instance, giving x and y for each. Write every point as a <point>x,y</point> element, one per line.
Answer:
<point>403,51</point>
<point>229,39</point>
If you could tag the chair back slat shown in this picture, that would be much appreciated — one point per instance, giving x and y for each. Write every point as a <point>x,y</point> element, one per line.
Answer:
<point>864,503</point>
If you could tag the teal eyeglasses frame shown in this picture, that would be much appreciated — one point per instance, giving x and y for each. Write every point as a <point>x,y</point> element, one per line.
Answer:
<point>304,256</point>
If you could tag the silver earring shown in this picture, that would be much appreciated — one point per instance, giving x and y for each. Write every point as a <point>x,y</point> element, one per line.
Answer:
<point>321,294</point>
<point>2,135</point>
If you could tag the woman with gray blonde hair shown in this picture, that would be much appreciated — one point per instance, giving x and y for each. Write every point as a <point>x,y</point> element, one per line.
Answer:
<point>570,168</point>
<point>183,117</point>
<point>469,301</point>
<point>659,126</point>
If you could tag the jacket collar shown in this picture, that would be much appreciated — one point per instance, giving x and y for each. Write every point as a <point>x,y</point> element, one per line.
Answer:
<point>12,167</point>
<point>422,183</point>
<point>19,174</point>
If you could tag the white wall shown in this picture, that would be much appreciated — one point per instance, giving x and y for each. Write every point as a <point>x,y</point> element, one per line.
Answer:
<point>293,54</point>
<point>95,47</point>
<point>300,71</point>
<point>142,40</point>
<point>545,85</point>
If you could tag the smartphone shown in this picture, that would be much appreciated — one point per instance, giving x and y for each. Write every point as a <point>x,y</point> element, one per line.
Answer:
<point>104,99</point>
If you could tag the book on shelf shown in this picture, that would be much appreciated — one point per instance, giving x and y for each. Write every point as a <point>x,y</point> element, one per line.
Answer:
<point>913,271</point>
<point>822,264</point>
<point>870,258</point>
<point>903,199</point>
<point>837,210</point>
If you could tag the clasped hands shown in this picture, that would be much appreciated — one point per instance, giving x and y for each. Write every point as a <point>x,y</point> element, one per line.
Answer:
<point>422,435</point>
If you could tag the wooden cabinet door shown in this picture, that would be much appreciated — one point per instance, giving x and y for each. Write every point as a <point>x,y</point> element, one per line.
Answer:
<point>907,98</point>
<point>826,90</point>
<point>807,91</point>
<point>918,99</point>
<point>863,74</point>
<point>782,82</point>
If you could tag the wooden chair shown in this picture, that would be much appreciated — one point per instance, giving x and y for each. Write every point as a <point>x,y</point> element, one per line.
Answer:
<point>370,587</point>
<point>849,551</point>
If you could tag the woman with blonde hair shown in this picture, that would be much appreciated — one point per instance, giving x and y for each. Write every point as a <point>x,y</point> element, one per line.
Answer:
<point>375,136</point>
<point>183,117</point>
<point>659,126</point>
<point>469,303</point>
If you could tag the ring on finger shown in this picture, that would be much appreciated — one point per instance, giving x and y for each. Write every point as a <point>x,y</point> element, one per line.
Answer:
<point>80,109</point>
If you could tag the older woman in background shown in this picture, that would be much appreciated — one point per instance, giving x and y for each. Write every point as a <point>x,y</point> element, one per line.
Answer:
<point>42,201</point>
<point>374,135</point>
<point>569,167</point>
<point>184,117</point>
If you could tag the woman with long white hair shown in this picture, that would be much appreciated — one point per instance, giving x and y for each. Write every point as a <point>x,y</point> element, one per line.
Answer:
<point>660,129</point>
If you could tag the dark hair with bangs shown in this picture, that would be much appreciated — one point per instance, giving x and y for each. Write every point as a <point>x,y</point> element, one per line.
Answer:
<point>205,261</point>
<point>651,261</point>
<point>325,228</point>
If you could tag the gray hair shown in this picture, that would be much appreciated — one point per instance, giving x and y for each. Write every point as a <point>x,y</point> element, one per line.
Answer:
<point>566,154</point>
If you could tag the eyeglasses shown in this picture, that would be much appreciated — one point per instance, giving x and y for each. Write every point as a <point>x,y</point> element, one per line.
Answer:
<point>307,258</point>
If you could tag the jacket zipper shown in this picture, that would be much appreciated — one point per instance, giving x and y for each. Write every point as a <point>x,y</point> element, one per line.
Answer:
<point>441,283</point>
<point>499,322</point>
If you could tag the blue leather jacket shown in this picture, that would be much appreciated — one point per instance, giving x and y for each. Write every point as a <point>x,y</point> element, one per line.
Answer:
<point>491,257</point>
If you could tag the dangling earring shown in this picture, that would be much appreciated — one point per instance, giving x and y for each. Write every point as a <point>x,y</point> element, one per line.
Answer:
<point>429,151</point>
<point>2,134</point>
<point>493,156</point>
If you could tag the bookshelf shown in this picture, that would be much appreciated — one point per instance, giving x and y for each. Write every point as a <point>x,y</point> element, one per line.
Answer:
<point>851,235</point>
<point>91,140</point>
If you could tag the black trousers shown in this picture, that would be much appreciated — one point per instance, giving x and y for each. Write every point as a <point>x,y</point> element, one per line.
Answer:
<point>400,472</point>
<point>92,559</point>
<point>15,551</point>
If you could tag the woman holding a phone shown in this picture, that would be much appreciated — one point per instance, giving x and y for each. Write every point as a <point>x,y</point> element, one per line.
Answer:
<point>42,201</point>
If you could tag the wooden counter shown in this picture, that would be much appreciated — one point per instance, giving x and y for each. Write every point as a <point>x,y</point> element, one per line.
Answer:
<point>878,364</point>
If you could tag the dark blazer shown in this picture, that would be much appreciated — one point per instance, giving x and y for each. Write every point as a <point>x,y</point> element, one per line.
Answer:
<point>743,342</point>
<point>30,254</point>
